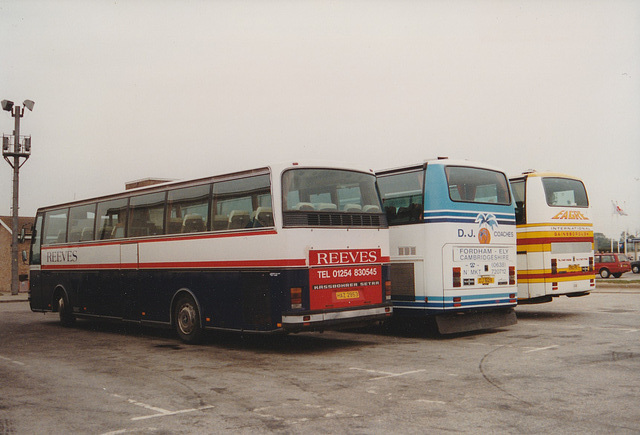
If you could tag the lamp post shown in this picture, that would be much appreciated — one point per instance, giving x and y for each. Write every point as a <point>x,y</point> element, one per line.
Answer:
<point>12,153</point>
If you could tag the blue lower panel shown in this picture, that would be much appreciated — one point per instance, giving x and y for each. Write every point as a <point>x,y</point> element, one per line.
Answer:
<point>240,300</point>
<point>439,304</point>
<point>251,300</point>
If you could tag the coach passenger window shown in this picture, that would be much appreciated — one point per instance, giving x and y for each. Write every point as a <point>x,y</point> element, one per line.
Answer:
<point>55,227</point>
<point>147,215</point>
<point>242,203</point>
<point>402,197</point>
<point>517,187</point>
<point>81,223</point>
<point>112,216</point>
<point>188,209</point>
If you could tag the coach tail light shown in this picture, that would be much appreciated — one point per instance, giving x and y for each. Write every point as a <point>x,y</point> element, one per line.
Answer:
<point>457,281</point>
<point>387,290</point>
<point>512,275</point>
<point>296,298</point>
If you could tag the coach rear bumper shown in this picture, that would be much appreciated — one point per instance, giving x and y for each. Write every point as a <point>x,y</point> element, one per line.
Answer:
<point>454,323</point>
<point>335,319</point>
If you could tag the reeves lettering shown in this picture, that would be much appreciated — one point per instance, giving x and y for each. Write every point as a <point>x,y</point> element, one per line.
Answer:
<point>329,258</point>
<point>62,256</point>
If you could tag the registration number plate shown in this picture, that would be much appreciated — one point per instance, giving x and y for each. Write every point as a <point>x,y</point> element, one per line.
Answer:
<point>348,295</point>
<point>486,280</point>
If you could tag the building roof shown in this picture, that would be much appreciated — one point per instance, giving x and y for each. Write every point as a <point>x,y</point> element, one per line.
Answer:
<point>26,221</point>
<point>145,182</point>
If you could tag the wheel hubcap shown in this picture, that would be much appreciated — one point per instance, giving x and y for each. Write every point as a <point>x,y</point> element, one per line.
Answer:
<point>187,319</point>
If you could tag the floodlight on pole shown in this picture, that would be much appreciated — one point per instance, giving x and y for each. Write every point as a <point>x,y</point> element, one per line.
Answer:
<point>7,105</point>
<point>13,155</point>
<point>28,104</point>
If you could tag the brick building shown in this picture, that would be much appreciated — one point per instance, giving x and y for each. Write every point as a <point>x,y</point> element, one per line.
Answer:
<point>145,182</point>
<point>5,251</point>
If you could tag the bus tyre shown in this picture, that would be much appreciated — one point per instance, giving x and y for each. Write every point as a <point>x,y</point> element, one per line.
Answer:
<point>604,273</point>
<point>188,320</point>
<point>64,310</point>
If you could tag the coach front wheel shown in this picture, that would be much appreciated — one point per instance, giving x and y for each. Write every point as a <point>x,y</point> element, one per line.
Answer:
<point>187,320</point>
<point>64,310</point>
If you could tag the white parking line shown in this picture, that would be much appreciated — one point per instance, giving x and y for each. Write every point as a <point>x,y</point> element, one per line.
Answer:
<point>541,348</point>
<point>12,360</point>
<point>160,412</point>
<point>438,402</point>
<point>166,413</point>
<point>303,413</point>
<point>625,330</point>
<point>386,374</point>
<point>137,430</point>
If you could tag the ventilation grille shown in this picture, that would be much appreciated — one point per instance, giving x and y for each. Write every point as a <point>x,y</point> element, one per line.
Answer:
<point>403,282</point>
<point>320,219</point>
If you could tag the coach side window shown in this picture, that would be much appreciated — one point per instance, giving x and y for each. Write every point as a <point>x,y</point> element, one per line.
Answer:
<point>188,209</point>
<point>517,187</point>
<point>111,219</point>
<point>242,203</point>
<point>146,217</point>
<point>55,227</point>
<point>81,223</point>
<point>36,240</point>
<point>402,197</point>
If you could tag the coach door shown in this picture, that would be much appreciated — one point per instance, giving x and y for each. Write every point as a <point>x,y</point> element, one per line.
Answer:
<point>126,295</point>
<point>35,279</point>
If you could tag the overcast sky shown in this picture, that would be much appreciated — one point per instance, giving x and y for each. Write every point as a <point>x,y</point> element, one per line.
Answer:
<point>126,90</point>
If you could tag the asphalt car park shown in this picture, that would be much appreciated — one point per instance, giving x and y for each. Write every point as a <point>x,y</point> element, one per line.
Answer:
<point>567,366</point>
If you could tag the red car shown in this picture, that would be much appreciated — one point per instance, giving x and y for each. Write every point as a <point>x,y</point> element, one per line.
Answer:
<point>611,263</point>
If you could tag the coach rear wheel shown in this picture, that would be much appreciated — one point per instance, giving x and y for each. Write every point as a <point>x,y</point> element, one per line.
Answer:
<point>64,311</point>
<point>187,320</point>
<point>604,273</point>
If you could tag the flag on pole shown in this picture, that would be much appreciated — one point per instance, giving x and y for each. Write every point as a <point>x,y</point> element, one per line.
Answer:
<point>618,210</point>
